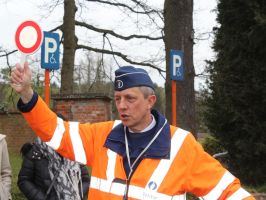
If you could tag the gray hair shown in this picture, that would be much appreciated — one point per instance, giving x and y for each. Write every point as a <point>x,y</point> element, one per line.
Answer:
<point>147,91</point>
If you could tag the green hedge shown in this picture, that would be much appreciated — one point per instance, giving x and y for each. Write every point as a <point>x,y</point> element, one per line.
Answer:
<point>212,145</point>
<point>15,161</point>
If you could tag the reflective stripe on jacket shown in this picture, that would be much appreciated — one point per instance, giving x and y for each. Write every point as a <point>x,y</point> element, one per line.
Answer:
<point>189,168</point>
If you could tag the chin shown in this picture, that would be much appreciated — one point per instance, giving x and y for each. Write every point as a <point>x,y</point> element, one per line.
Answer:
<point>127,124</point>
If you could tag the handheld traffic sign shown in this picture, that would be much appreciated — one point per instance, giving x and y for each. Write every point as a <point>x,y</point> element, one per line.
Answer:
<point>176,65</point>
<point>50,51</point>
<point>28,38</point>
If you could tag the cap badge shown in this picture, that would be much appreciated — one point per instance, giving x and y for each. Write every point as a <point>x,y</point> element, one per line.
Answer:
<point>119,84</point>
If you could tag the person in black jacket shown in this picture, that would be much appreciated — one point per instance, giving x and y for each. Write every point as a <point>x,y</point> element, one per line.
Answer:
<point>45,175</point>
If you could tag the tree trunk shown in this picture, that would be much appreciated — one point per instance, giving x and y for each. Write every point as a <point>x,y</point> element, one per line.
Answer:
<point>179,36</point>
<point>70,43</point>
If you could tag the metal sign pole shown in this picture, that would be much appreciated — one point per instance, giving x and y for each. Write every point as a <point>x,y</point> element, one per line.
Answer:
<point>47,87</point>
<point>173,102</point>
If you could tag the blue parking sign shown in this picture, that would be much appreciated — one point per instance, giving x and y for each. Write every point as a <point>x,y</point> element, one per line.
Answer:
<point>50,51</point>
<point>176,65</point>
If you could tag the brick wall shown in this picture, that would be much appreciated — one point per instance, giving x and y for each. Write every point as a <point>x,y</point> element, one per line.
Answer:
<point>16,130</point>
<point>82,108</point>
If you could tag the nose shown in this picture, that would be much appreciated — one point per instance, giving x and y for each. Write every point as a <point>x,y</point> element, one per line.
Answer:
<point>121,104</point>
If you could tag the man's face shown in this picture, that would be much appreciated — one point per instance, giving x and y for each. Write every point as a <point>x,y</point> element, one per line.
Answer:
<point>133,108</point>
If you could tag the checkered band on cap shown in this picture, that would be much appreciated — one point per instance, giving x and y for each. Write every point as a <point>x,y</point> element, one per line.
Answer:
<point>129,76</point>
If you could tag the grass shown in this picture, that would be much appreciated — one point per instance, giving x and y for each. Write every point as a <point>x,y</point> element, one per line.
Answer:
<point>15,161</point>
<point>261,188</point>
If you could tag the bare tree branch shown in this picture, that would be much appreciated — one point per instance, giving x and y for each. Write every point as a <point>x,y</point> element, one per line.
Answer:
<point>105,31</point>
<point>204,36</point>
<point>57,28</point>
<point>123,56</point>
<point>110,44</point>
<point>146,11</point>
<point>145,7</point>
<point>51,6</point>
<point>12,94</point>
<point>6,54</point>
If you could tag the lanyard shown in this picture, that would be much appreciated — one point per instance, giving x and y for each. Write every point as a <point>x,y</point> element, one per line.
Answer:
<point>131,167</point>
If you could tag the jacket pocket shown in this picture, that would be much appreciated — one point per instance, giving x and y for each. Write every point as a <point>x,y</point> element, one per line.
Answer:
<point>3,192</point>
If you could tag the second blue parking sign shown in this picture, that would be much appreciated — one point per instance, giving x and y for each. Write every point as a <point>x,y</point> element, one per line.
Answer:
<point>50,51</point>
<point>176,65</point>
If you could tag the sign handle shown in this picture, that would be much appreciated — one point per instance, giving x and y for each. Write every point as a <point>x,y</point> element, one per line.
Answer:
<point>23,59</point>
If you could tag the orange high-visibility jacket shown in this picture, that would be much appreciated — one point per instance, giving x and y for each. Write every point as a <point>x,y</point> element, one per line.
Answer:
<point>189,168</point>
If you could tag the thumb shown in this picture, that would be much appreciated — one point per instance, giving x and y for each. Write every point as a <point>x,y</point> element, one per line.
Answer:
<point>27,70</point>
<point>26,67</point>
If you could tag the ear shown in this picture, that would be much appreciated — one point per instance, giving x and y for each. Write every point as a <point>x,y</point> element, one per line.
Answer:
<point>151,100</point>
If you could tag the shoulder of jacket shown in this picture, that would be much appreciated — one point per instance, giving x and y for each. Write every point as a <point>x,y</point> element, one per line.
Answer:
<point>36,153</point>
<point>2,136</point>
<point>31,151</point>
<point>106,124</point>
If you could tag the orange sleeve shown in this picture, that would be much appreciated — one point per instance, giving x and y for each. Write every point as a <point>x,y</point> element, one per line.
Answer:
<point>250,198</point>
<point>42,120</point>
<point>206,174</point>
<point>45,124</point>
<point>234,186</point>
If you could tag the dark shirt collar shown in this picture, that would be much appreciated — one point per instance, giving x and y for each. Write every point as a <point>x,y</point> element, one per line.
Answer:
<point>160,148</point>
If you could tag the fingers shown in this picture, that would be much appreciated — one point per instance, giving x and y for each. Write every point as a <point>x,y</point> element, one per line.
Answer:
<point>17,87</point>
<point>16,75</point>
<point>17,78</point>
<point>20,67</point>
<point>20,78</point>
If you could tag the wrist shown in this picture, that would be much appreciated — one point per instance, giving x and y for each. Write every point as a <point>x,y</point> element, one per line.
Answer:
<point>26,95</point>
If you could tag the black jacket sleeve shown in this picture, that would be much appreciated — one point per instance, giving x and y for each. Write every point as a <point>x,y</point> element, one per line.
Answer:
<point>29,106</point>
<point>26,179</point>
<point>85,179</point>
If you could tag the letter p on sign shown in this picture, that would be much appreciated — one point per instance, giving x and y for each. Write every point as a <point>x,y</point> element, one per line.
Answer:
<point>176,65</point>
<point>50,51</point>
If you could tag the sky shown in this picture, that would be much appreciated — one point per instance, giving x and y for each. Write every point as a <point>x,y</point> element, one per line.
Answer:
<point>14,12</point>
<point>204,21</point>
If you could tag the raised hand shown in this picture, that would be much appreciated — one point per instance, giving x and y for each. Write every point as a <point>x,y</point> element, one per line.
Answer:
<point>20,81</point>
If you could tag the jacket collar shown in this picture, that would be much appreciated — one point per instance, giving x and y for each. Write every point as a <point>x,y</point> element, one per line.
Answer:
<point>160,148</point>
<point>2,136</point>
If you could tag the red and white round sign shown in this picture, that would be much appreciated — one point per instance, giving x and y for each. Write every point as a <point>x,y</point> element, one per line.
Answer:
<point>28,37</point>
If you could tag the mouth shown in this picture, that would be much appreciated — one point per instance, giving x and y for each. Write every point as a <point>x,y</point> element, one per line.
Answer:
<point>124,116</point>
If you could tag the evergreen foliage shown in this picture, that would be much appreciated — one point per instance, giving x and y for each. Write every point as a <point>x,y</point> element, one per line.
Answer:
<point>212,145</point>
<point>236,110</point>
